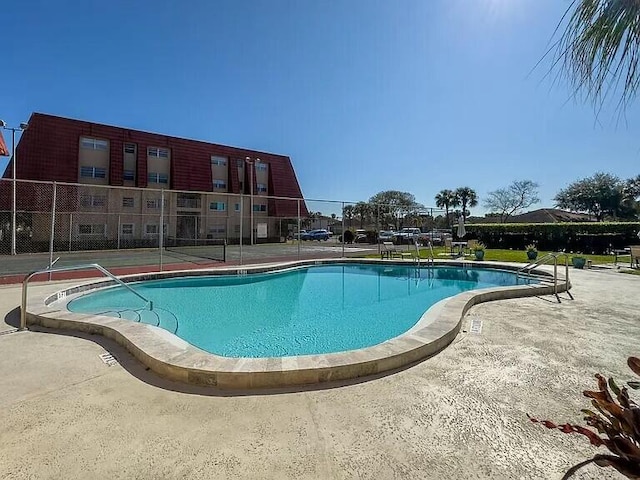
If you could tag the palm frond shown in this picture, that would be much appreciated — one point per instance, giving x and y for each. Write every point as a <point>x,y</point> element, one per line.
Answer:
<point>599,50</point>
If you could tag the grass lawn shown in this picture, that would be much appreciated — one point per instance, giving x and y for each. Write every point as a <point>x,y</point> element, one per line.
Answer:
<point>499,255</point>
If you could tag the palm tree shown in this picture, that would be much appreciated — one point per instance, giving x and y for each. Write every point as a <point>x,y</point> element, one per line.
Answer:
<point>447,199</point>
<point>467,197</point>
<point>348,212</point>
<point>600,48</point>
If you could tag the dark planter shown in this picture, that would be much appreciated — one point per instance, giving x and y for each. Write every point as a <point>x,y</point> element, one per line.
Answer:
<point>578,262</point>
<point>532,255</point>
<point>479,254</point>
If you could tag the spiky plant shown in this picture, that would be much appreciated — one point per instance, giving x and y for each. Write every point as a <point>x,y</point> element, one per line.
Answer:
<point>617,422</point>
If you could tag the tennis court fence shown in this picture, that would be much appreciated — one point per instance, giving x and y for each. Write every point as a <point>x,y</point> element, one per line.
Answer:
<point>127,226</point>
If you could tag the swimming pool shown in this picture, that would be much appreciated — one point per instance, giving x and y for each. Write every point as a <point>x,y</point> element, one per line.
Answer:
<point>303,311</point>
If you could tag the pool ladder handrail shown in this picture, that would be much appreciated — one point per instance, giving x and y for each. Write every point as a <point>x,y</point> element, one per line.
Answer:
<point>530,266</point>
<point>25,282</point>
<point>430,258</point>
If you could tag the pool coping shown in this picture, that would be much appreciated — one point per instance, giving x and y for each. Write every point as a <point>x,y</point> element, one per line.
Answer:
<point>175,359</point>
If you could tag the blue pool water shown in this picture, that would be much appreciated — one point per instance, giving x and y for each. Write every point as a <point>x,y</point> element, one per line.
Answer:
<point>314,310</point>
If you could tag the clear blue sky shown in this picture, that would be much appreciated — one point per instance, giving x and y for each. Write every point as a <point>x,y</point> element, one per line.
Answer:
<point>363,95</point>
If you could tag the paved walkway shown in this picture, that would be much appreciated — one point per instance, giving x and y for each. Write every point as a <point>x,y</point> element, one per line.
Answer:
<point>460,414</point>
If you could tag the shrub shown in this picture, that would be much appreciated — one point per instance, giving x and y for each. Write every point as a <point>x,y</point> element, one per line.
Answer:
<point>597,237</point>
<point>349,236</point>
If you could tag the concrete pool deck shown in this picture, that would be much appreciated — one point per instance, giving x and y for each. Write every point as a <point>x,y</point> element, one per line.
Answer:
<point>459,414</point>
<point>176,359</point>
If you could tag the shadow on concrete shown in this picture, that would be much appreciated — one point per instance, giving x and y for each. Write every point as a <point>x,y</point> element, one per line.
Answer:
<point>146,375</point>
<point>13,318</point>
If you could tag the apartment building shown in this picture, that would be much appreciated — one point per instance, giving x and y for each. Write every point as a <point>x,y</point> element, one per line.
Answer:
<point>199,187</point>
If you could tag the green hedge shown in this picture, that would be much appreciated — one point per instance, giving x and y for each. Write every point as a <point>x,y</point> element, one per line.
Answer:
<point>588,237</point>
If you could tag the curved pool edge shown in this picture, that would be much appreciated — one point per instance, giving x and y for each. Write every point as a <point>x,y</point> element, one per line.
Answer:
<point>175,359</point>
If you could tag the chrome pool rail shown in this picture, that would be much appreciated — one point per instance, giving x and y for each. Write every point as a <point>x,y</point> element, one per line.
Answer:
<point>25,282</point>
<point>552,255</point>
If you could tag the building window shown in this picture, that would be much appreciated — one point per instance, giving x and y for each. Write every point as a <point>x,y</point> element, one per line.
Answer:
<point>261,167</point>
<point>218,206</point>
<point>129,175</point>
<point>152,229</point>
<point>88,201</point>
<point>91,229</point>
<point>217,229</point>
<point>219,184</point>
<point>130,148</point>
<point>158,178</point>
<point>93,144</point>
<point>127,202</point>
<point>262,188</point>
<point>220,161</point>
<point>126,229</point>
<point>155,203</point>
<point>93,172</point>
<point>240,163</point>
<point>259,208</point>
<point>236,207</point>
<point>158,152</point>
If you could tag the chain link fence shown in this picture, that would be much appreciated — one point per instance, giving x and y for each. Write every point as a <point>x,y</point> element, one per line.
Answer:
<point>160,229</point>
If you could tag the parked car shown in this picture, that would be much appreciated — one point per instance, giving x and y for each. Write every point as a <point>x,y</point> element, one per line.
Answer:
<point>386,236</point>
<point>298,235</point>
<point>408,235</point>
<point>361,236</point>
<point>319,234</point>
<point>437,237</point>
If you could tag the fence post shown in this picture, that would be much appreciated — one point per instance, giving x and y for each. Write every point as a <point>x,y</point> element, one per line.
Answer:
<point>119,231</point>
<point>70,230</point>
<point>343,230</point>
<point>241,222</point>
<point>161,226</point>
<point>378,227</point>
<point>53,226</point>
<point>299,236</point>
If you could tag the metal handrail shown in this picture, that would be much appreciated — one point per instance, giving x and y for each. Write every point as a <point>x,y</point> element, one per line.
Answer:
<point>23,309</point>
<point>540,261</point>
<point>51,265</point>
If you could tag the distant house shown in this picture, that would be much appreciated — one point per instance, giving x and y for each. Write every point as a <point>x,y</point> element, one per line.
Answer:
<point>550,215</point>
<point>542,215</point>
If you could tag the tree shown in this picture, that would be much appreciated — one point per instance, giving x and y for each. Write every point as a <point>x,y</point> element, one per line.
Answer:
<point>347,212</point>
<point>467,198</point>
<point>513,199</point>
<point>312,217</point>
<point>631,195</point>
<point>599,50</point>
<point>600,195</point>
<point>393,204</point>
<point>447,199</point>
<point>362,210</point>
